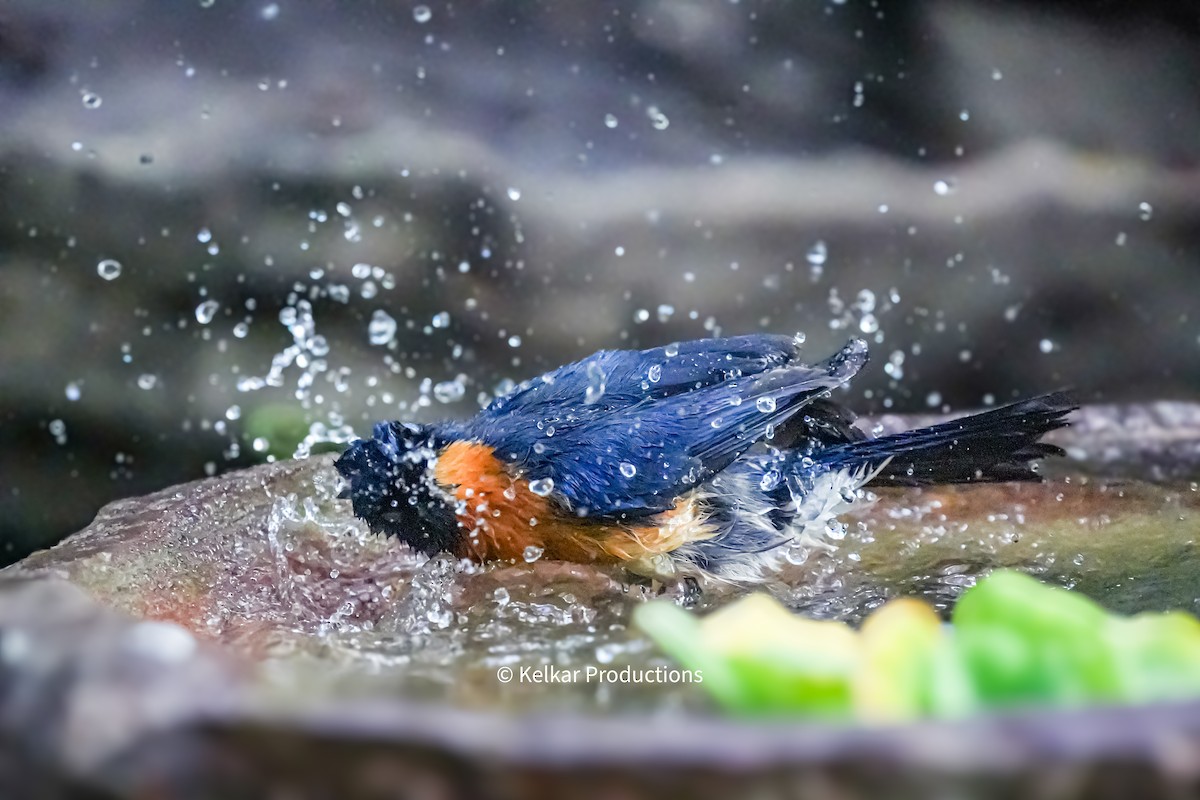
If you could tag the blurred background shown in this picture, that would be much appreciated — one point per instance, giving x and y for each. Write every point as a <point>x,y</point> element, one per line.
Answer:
<point>231,228</point>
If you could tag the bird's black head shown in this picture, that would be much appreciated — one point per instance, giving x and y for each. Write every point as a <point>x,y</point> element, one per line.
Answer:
<point>392,487</point>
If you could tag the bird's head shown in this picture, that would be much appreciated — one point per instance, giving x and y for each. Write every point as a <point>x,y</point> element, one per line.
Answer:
<point>392,486</point>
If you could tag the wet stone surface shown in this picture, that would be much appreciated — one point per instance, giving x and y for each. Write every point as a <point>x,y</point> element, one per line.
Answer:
<point>261,598</point>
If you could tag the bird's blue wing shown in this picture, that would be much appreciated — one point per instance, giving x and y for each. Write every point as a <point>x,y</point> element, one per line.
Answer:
<point>672,418</point>
<point>612,379</point>
<point>577,394</point>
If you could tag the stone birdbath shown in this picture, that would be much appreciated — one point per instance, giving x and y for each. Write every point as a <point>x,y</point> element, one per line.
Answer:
<point>244,636</point>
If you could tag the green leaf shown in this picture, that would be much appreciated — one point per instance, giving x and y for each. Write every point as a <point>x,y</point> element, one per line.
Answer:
<point>898,644</point>
<point>1158,655</point>
<point>1023,641</point>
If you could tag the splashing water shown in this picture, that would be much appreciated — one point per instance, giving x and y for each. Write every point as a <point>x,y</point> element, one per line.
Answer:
<point>441,628</point>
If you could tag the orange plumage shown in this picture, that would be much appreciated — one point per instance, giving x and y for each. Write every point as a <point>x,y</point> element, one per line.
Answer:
<point>502,517</point>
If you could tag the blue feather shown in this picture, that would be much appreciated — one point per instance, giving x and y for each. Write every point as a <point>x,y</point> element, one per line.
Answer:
<point>663,423</point>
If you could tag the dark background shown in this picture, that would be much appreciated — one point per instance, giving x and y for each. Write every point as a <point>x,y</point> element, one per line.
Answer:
<point>1001,197</point>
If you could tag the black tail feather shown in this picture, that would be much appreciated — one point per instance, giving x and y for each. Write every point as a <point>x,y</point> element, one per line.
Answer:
<point>994,445</point>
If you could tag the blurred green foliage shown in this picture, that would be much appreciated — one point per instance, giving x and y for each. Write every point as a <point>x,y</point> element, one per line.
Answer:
<point>1013,642</point>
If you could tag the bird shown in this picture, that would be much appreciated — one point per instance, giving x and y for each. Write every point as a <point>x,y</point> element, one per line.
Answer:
<point>706,459</point>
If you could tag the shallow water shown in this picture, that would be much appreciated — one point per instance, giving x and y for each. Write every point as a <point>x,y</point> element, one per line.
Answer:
<point>270,564</point>
<point>441,630</point>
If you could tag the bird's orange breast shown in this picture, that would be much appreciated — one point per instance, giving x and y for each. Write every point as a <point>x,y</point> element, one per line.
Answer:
<point>501,517</point>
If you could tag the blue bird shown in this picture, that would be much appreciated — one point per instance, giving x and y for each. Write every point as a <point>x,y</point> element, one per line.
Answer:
<point>704,458</point>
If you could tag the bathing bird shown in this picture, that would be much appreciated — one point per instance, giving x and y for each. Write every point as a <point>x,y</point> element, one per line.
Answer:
<point>714,458</point>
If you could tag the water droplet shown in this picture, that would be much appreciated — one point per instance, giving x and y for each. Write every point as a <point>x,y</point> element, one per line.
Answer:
<point>441,319</point>
<point>717,422</point>
<point>665,312</point>
<point>382,328</point>
<point>610,121</point>
<point>233,412</point>
<point>204,236</point>
<point>835,530</point>
<point>596,384</point>
<point>73,392</point>
<point>241,330</point>
<point>532,554</point>
<point>58,428</point>
<point>501,596</point>
<point>865,302</point>
<point>654,374</point>
<point>1046,346</point>
<point>422,14</point>
<point>641,315</point>
<point>261,444</point>
<point>109,269</point>
<point>944,187</point>
<point>818,253</point>
<point>933,399</point>
<point>91,100</point>
<point>542,486</point>
<point>1145,210</point>
<point>269,12</point>
<point>895,366</point>
<point>449,391</point>
<point>657,118</point>
<point>997,75</point>
<point>671,350</point>
<point>770,480</point>
<point>206,311</point>
<point>765,404</point>
<point>514,341</point>
<point>514,194</point>
<point>796,553</point>
<point>147,381</point>
<point>627,469</point>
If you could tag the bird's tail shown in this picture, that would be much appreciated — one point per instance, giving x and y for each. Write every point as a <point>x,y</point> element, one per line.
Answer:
<point>994,445</point>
